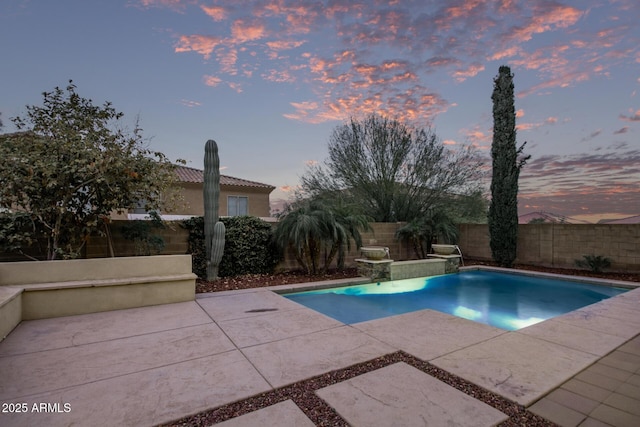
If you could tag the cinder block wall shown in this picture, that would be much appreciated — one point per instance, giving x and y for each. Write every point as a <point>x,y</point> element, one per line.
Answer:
<point>175,241</point>
<point>559,245</point>
<point>553,245</point>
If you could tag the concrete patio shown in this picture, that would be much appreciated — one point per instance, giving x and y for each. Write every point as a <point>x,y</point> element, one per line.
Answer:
<point>152,365</point>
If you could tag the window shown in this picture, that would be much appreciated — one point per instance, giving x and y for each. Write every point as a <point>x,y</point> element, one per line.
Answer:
<point>237,205</point>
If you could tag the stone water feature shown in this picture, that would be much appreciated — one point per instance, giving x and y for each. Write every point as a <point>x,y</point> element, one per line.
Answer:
<point>374,265</point>
<point>378,265</point>
<point>450,253</point>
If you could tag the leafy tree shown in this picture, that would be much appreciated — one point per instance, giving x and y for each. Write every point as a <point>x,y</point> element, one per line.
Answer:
<point>69,167</point>
<point>17,231</point>
<point>503,209</point>
<point>317,234</point>
<point>393,172</point>
<point>471,208</point>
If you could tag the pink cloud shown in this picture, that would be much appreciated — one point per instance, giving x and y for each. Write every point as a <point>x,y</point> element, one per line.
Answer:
<point>527,126</point>
<point>633,117</point>
<point>285,44</point>
<point>242,31</point>
<point>212,81</point>
<point>204,45</point>
<point>235,86</point>
<point>505,53</point>
<point>547,16</point>
<point>477,137</point>
<point>471,71</point>
<point>189,103</point>
<point>278,76</point>
<point>176,5</point>
<point>227,58</point>
<point>383,57</point>
<point>567,79</point>
<point>217,13</point>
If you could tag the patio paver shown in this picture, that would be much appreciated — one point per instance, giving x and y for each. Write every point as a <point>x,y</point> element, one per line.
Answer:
<point>60,332</point>
<point>274,326</point>
<point>602,394</point>
<point>148,397</point>
<point>576,337</point>
<point>519,367</point>
<point>405,396</point>
<point>293,359</point>
<point>32,373</point>
<point>243,304</point>
<point>283,414</point>
<point>427,334</point>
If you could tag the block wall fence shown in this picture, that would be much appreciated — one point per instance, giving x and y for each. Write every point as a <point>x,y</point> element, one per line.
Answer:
<point>559,245</point>
<point>551,245</point>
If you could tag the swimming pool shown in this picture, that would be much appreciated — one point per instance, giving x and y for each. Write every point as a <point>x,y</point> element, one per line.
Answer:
<point>506,301</point>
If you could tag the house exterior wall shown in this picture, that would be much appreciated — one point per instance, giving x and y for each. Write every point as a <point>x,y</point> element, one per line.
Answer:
<point>193,203</point>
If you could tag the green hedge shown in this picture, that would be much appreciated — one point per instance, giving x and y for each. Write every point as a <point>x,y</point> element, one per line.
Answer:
<point>248,247</point>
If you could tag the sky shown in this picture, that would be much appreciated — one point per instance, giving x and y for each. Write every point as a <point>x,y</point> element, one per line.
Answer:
<point>270,80</point>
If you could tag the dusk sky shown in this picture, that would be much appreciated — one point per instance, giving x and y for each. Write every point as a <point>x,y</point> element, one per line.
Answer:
<point>269,80</point>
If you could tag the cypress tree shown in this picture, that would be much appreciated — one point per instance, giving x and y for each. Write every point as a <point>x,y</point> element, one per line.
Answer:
<point>503,210</point>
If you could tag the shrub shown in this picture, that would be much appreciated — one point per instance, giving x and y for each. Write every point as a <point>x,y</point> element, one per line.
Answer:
<point>595,263</point>
<point>195,245</point>
<point>140,232</point>
<point>248,249</point>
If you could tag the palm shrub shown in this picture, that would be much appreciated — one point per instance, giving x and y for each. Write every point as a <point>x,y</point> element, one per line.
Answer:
<point>421,231</point>
<point>595,263</point>
<point>317,233</point>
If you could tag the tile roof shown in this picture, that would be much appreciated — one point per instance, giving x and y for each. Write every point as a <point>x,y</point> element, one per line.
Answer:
<point>187,174</point>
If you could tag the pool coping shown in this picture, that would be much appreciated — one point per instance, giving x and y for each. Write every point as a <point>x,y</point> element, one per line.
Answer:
<point>312,286</point>
<point>581,279</point>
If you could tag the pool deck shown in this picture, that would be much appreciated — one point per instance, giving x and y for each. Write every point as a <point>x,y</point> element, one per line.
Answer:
<point>152,365</point>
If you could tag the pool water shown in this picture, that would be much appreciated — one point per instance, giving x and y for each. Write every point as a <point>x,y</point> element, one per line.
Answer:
<point>506,301</point>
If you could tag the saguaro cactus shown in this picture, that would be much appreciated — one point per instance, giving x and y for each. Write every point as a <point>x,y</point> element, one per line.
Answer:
<point>213,229</point>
